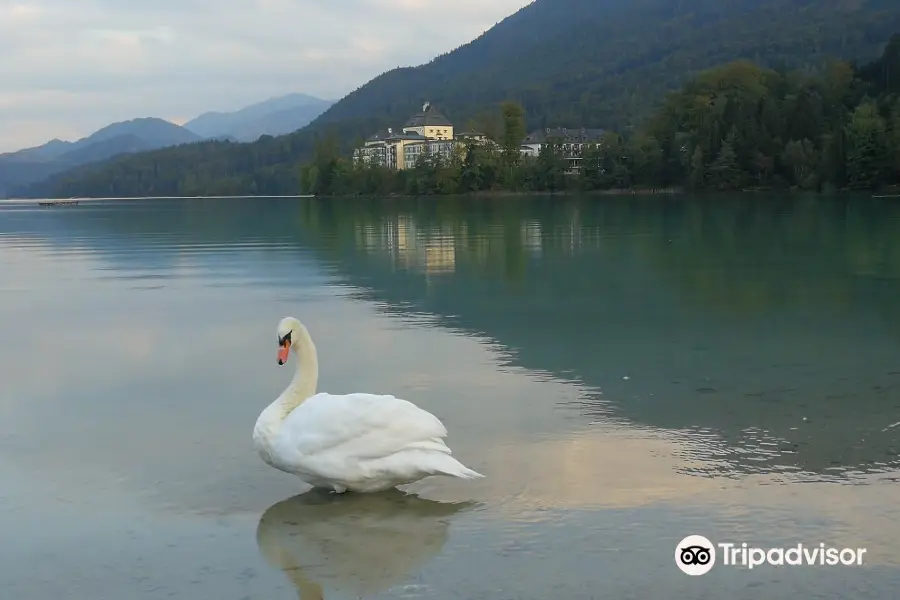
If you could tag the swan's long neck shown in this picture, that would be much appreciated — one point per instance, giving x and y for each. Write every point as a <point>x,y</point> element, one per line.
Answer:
<point>302,386</point>
<point>306,377</point>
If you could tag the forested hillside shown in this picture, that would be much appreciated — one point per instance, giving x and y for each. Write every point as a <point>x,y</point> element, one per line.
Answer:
<point>733,127</point>
<point>595,63</point>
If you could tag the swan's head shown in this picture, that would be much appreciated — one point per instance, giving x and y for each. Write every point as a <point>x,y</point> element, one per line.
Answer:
<point>288,330</point>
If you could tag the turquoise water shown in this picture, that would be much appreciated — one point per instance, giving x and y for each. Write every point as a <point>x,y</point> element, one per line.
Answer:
<point>624,371</point>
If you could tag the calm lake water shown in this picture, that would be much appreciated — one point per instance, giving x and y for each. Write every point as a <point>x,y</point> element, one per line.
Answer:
<point>624,371</point>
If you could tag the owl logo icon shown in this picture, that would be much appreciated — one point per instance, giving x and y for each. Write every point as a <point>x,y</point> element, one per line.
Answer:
<point>695,555</point>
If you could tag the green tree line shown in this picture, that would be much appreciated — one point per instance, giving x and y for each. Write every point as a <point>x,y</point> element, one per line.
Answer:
<point>733,127</point>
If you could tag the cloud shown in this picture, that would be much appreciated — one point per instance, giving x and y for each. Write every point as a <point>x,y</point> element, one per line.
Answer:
<point>70,68</point>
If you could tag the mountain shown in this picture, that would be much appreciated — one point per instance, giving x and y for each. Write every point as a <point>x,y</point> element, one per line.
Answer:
<point>276,116</point>
<point>572,63</point>
<point>48,151</point>
<point>137,135</point>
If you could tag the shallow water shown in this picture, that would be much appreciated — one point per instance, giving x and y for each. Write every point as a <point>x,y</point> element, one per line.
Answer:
<point>625,372</point>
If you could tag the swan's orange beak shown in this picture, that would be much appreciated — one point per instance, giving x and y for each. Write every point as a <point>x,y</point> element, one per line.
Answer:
<point>283,353</point>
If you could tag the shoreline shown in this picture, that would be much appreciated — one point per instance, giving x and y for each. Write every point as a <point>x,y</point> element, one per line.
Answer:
<point>883,193</point>
<point>519,194</point>
<point>880,194</point>
<point>61,200</point>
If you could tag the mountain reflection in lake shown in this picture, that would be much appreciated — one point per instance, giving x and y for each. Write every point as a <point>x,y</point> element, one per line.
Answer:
<point>625,371</point>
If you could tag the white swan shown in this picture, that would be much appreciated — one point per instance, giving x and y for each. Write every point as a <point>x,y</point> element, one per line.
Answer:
<point>356,442</point>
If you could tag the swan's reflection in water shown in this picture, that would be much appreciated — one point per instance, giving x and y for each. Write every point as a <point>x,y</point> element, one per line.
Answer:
<point>355,544</point>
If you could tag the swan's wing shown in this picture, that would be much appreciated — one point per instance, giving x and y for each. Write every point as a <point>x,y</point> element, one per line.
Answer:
<point>363,426</point>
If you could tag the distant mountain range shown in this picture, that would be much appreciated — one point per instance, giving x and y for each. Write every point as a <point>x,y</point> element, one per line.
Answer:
<point>34,164</point>
<point>276,116</point>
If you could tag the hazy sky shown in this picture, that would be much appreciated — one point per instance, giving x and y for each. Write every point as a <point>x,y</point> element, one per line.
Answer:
<point>70,67</point>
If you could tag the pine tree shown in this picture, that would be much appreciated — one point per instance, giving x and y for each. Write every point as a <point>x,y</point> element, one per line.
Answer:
<point>698,169</point>
<point>724,173</point>
<point>866,147</point>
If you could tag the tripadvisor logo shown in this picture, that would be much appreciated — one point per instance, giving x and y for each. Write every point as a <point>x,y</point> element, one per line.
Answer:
<point>697,555</point>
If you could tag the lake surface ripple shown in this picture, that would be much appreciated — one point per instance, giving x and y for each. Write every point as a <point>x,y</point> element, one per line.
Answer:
<point>625,372</point>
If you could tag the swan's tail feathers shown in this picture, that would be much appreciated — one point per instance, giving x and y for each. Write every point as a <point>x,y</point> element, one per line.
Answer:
<point>467,473</point>
<point>453,468</point>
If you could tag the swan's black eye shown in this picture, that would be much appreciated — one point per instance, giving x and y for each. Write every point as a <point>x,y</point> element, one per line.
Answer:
<point>283,340</point>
